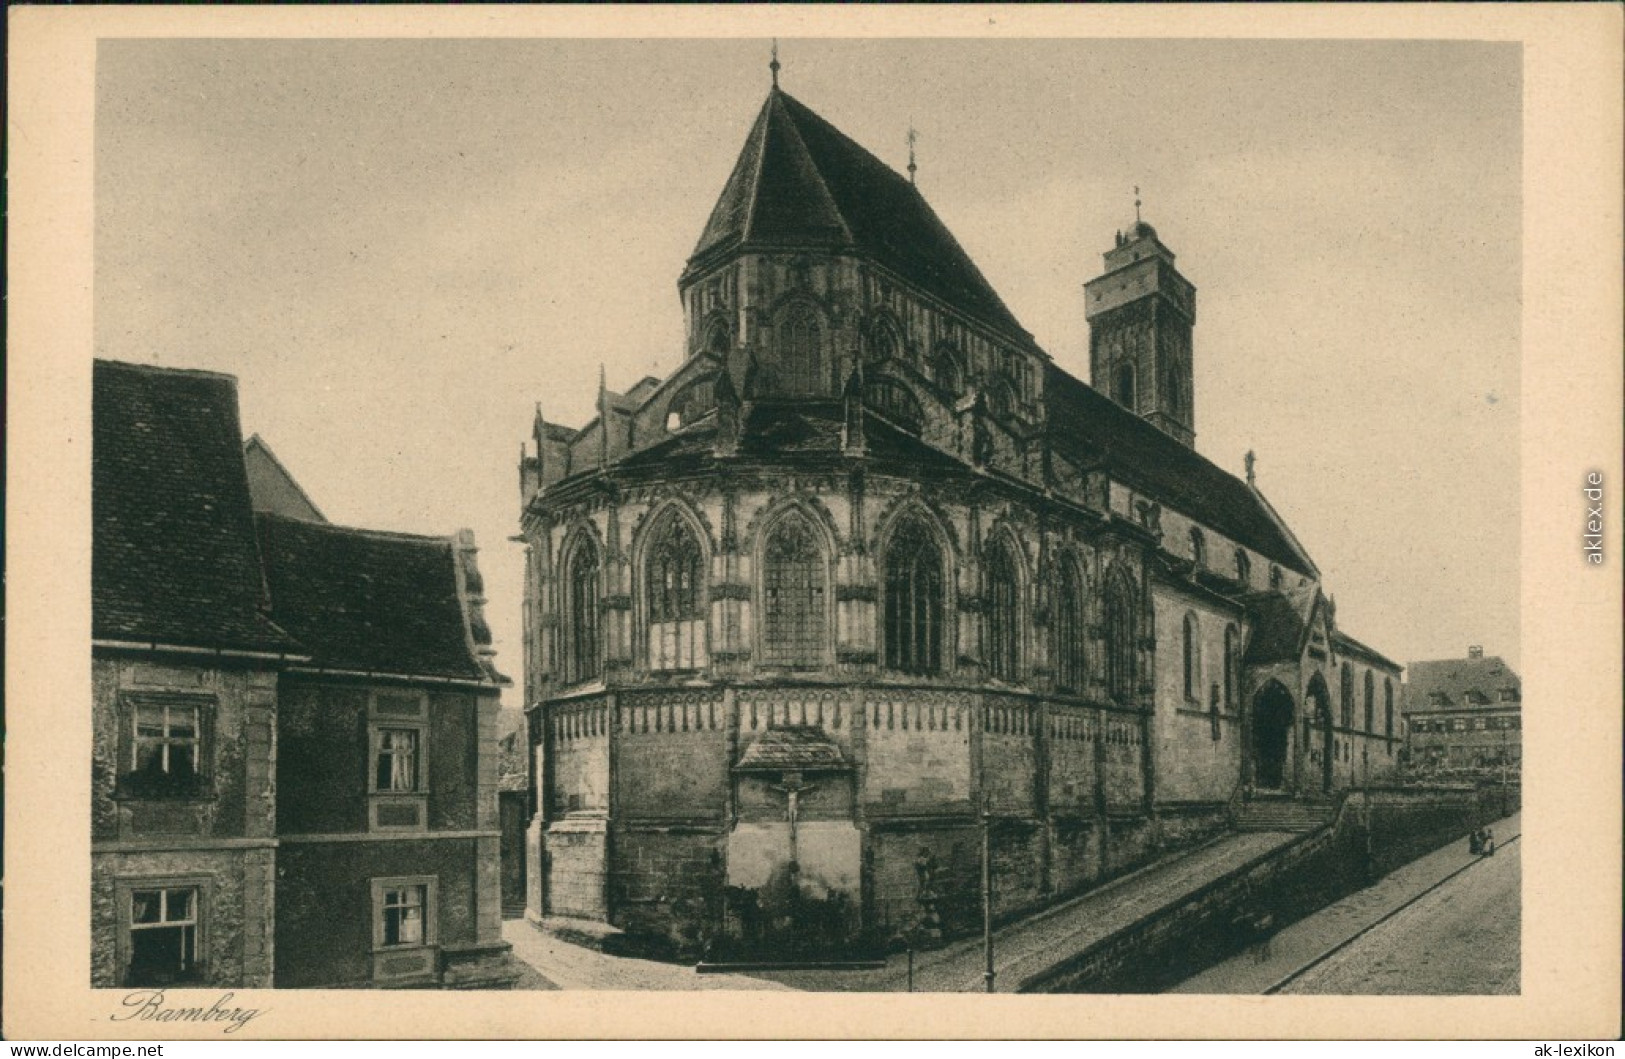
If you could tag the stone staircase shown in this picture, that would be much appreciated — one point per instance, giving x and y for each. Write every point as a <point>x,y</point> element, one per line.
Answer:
<point>1280,812</point>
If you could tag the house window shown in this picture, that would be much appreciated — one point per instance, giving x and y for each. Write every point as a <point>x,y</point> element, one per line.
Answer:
<point>1121,649</point>
<point>1192,656</point>
<point>162,935</point>
<point>1370,702</point>
<point>676,614</point>
<point>793,610</point>
<point>1068,628</point>
<point>404,927</point>
<point>398,778</point>
<point>581,606</point>
<point>801,360</point>
<point>1346,697</point>
<point>1003,614</point>
<point>164,745</point>
<point>914,625</point>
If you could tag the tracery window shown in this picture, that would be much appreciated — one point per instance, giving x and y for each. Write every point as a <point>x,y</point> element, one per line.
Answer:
<point>675,609</point>
<point>1121,649</point>
<point>1370,702</point>
<point>914,610</point>
<point>581,618</point>
<point>1067,627</point>
<point>883,342</point>
<point>945,369</point>
<point>793,610</point>
<point>1192,654</point>
<point>801,358</point>
<point>1346,696</point>
<point>1003,614</point>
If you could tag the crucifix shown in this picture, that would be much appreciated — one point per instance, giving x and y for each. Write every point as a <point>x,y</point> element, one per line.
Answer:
<point>792,788</point>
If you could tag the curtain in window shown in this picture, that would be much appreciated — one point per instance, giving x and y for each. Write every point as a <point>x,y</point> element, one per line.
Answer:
<point>793,576</point>
<point>913,602</point>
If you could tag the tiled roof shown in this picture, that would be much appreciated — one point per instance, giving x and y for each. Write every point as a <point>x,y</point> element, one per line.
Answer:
<point>802,183</point>
<point>1349,645</point>
<point>173,557</point>
<point>1278,627</point>
<point>367,601</point>
<point>1090,428</point>
<point>803,749</point>
<point>1452,680</point>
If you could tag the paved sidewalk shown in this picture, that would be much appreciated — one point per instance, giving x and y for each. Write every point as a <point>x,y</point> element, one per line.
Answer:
<point>1300,944</point>
<point>1034,944</point>
<point>567,966</point>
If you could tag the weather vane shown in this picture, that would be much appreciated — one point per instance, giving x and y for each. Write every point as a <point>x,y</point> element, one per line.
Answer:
<point>1136,204</point>
<point>912,136</point>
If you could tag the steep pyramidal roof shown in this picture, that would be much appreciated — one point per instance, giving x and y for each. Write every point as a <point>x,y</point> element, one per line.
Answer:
<point>801,183</point>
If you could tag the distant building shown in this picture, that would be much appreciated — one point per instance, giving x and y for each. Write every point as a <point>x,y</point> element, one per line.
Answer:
<point>869,564</point>
<point>1463,713</point>
<point>294,761</point>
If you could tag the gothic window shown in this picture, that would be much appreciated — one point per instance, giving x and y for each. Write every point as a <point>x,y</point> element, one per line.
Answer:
<point>894,401</point>
<point>716,339</point>
<point>1232,693</point>
<point>1244,566</point>
<point>1067,627</point>
<point>793,576</point>
<point>1198,548</point>
<point>914,611</point>
<point>1388,707</point>
<point>801,358</point>
<point>1123,385</point>
<point>675,610</point>
<point>1370,702</point>
<point>1121,648</point>
<point>1192,654</point>
<point>1003,614</point>
<point>581,614</point>
<point>883,342</point>
<point>945,368</point>
<point>1000,403</point>
<point>1347,697</point>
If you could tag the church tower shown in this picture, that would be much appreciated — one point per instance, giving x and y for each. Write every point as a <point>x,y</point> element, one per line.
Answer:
<point>1140,313</point>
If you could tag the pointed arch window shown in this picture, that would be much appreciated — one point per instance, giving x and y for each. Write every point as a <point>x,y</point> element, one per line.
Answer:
<point>1192,657</point>
<point>1347,697</point>
<point>793,583</point>
<point>1370,702</point>
<point>1232,693</point>
<point>801,356</point>
<point>1067,628</point>
<point>1198,548</point>
<point>673,575</point>
<point>913,606</point>
<point>945,368</point>
<point>1123,385</point>
<point>1121,649</point>
<point>1003,614</point>
<point>1244,567</point>
<point>581,654</point>
<point>883,341</point>
<point>1388,708</point>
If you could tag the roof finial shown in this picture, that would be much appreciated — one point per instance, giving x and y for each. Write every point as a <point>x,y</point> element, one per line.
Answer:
<point>1250,460</point>
<point>1136,204</point>
<point>774,65</point>
<point>912,136</point>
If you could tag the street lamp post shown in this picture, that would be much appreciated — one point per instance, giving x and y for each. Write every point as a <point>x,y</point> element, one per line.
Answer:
<point>987,897</point>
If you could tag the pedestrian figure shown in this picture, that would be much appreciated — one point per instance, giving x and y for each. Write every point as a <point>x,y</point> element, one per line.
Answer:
<point>1489,843</point>
<point>1475,842</point>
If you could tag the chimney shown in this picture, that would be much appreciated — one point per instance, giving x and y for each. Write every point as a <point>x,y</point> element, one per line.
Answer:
<point>1475,652</point>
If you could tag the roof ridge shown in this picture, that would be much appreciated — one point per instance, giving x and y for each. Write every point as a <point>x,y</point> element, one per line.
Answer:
<point>817,170</point>
<point>162,369</point>
<point>360,531</point>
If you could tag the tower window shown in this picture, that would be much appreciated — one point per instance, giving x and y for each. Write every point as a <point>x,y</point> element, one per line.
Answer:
<point>581,605</point>
<point>914,602</point>
<point>1123,385</point>
<point>801,358</point>
<point>1068,628</point>
<point>1003,614</point>
<point>793,576</point>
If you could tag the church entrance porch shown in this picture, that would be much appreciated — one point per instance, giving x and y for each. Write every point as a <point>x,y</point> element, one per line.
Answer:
<point>1272,731</point>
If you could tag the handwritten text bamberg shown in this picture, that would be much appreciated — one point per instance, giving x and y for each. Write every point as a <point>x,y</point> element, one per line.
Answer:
<point>149,1005</point>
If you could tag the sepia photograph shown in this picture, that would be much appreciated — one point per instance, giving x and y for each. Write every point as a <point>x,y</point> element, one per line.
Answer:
<point>765,512</point>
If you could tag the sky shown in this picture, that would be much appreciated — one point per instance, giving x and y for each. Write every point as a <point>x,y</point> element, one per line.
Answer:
<point>400,247</point>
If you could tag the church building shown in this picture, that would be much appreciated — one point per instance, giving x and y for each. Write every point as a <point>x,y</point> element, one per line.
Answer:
<point>870,573</point>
